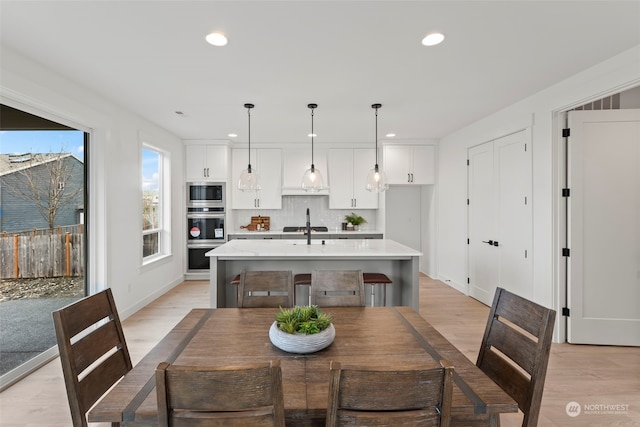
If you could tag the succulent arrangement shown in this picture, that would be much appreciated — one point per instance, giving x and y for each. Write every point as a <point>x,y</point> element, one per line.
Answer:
<point>306,320</point>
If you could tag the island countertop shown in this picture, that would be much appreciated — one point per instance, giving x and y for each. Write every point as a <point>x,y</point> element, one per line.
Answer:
<point>332,248</point>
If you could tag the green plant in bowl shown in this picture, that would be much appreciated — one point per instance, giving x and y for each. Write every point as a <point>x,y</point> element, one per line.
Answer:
<point>306,320</point>
<point>355,219</point>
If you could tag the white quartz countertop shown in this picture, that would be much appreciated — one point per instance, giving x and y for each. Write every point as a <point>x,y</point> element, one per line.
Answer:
<point>333,248</point>
<point>293,233</point>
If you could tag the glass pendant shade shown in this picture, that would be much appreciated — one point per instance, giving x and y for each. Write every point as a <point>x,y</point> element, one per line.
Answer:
<point>312,181</point>
<point>248,180</point>
<point>377,180</point>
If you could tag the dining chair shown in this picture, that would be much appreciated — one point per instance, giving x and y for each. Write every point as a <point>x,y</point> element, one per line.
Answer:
<point>335,288</point>
<point>515,350</point>
<point>390,396</point>
<point>93,351</point>
<point>266,289</point>
<point>225,396</point>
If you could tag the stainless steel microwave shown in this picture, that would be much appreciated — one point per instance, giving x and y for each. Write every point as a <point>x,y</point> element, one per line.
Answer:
<point>205,194</point>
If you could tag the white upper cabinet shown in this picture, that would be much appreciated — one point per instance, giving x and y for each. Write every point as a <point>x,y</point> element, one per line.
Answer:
<point>206,162</point>
<point>295,162</point>
<point>410,164</point>
<point>348,169</point>
<point>267,163</point>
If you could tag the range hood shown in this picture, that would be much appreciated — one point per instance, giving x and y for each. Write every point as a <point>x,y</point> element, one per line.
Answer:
<point>297,191</point>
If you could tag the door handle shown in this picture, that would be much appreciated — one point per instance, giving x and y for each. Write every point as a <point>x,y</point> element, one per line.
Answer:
<point>490,242</point>
<point>495,243</point>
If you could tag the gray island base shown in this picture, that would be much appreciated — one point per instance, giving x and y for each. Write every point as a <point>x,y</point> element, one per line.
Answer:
<point>397,261</point>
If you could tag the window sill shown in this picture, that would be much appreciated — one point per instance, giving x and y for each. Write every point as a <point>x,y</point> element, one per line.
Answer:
<point>153,261</point>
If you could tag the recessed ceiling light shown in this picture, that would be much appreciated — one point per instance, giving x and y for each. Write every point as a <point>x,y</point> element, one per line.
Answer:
<point>391,135</point>
<point>433,39</point>
<point>216,39</point>
<point>232,135</point>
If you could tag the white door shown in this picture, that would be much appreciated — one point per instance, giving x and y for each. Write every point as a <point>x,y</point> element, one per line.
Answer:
<point>604,227</point>
<point>499,217</point>
<point>483,258</point>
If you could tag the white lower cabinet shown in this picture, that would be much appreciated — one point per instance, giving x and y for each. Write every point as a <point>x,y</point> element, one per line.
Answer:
<point>410,164</point>
<point>348,169</point>
<point>267,163</point>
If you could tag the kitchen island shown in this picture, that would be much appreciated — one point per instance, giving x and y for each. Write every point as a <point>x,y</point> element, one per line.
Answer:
<point>397,261</point>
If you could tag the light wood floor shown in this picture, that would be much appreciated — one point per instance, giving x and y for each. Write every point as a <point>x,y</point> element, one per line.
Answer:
<point>589,375</point>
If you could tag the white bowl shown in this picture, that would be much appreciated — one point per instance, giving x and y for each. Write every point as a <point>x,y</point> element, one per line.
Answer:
<point>301,343</point>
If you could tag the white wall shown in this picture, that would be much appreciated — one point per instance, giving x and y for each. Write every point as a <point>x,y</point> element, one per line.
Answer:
<point>536,112</point>
<point>115,214</point>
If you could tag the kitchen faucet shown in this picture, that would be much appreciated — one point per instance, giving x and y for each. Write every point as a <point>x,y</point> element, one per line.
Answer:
<point>308,228</point>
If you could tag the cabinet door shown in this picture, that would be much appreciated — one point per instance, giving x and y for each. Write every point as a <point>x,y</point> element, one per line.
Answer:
<point>216,163</point>
<point>195,163</point>
<point>397,161</point>
<point>269,167</point>
<point>424,161</point>
<point>205,162</point>
<point>364,159</point>
<point>341,175</point>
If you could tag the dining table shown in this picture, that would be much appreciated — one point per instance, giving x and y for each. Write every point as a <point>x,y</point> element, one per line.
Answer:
<point>371,336</point>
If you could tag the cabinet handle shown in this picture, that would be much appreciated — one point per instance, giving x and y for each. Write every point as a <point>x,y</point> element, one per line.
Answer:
<point>408,177</point>
<point>411,177</point>
<point>355,203</point>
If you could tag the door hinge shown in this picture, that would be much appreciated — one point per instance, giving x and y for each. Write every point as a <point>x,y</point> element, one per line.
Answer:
<point>566,311</point>
<point>566,192</point>
<point>467,162</point>
<point>525,253</point>
<point>525,200</point>
<point>468,281</point>
<point>525,147</point>
<point>566,252</point>
<point>467,202</point>
<point>566,133</point>
<point>467,241</point>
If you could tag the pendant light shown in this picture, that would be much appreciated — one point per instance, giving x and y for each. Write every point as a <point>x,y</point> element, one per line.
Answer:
<point>249,177</point>
<point>312,178</point>
<point>377,179</point>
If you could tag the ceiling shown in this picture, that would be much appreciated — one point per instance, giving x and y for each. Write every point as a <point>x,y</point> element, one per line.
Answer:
<point>150,57</point>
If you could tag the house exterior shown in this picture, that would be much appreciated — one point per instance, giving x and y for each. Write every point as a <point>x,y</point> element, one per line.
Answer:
<point>25,177</point>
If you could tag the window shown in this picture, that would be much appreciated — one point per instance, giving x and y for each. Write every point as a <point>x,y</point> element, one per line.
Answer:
<point>155,216</point>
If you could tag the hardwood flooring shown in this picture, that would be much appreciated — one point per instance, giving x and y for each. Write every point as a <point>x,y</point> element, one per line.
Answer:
<point>590,375</point>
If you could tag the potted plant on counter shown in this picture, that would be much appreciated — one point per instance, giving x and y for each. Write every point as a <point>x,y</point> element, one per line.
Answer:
<point>355,220</point>
<point>302,329</point>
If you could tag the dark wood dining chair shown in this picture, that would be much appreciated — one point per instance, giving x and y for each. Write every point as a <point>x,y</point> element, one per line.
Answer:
<point>390,396</point>
<point>515,351</point>
<point>336,288</point>
<point>93,351</point>
<point>266,289</point>
<point>228,396</point>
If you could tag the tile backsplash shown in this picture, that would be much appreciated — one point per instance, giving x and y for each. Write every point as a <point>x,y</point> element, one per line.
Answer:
<point>293,213</point>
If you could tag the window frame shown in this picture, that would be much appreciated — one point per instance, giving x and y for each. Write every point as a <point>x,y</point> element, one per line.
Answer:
<point>164,202</point>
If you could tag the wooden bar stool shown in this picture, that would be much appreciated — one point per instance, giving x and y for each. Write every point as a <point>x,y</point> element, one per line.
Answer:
<point>374,279</point>
<point>302,279</point>
<point>235,280</point>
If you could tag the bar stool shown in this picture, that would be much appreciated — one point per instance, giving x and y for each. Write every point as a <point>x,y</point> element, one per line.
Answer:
<point>235,280</point>
<point>302,279</point>
<point>374,279</point>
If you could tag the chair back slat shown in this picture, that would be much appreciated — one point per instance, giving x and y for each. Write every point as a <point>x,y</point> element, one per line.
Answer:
<point>226,396</point>
<point>511,315</point>
<point>93,351</point>
<point>515,345</point>
<point>390,396</point>
<point>266,289</point>
<point>337,288</point>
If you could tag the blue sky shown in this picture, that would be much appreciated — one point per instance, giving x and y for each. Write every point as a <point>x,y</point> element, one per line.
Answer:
<point>45,141</point>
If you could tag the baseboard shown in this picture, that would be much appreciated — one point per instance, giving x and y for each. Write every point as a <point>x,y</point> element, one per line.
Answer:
<point>455,285</point>
<point>149,299</point>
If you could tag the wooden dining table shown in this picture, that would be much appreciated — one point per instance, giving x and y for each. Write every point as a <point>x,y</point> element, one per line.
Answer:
<point>375,336</point>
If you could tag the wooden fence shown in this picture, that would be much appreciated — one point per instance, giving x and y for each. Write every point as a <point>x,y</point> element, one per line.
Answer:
<point>52,255</point>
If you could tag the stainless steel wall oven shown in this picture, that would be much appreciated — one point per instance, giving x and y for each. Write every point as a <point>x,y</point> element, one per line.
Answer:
<point>205,223</point>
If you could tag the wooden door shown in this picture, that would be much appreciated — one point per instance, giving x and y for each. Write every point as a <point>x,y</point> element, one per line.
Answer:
<point>604,227</point>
